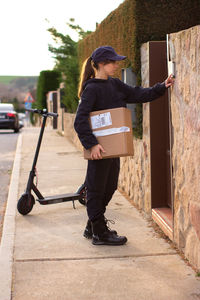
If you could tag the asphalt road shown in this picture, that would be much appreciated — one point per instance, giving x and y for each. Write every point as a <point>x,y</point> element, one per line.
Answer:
<point>8,142</point>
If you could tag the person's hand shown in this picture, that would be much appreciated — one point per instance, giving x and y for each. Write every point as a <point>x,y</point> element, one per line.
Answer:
<point>95,152</point>
<point>169,81</point>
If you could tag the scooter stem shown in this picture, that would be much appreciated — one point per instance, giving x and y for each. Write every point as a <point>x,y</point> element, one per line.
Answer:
<point>39,142</point>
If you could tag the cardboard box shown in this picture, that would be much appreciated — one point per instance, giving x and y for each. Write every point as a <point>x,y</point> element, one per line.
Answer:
<point>113,129</point>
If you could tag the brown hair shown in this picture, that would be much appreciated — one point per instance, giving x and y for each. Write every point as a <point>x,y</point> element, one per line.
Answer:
<point>88,71</point>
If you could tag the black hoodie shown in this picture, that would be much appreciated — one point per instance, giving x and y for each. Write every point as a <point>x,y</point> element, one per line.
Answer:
<point>99,94</point>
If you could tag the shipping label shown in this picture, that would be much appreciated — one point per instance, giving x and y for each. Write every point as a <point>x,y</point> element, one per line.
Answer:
<point>101,120</point>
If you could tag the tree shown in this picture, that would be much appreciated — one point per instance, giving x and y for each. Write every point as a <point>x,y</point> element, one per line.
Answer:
<point>81,33</point>
<point>67,63</point>
<point>16,104</point>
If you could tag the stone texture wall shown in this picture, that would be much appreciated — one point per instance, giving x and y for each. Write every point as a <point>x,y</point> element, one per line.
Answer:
<point>185,110</point>
<point>66,121</point>
<point>69,132</point>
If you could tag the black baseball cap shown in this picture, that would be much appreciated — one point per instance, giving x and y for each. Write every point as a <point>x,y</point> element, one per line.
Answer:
<point>104,53</point>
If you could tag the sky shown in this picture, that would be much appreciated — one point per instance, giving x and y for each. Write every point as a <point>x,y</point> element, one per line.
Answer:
<point>23,30</point>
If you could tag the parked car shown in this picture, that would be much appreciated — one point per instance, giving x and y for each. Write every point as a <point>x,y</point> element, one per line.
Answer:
<point>8,117</point>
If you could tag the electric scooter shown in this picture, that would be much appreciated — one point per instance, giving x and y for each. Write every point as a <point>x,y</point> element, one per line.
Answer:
<point>26,201</point>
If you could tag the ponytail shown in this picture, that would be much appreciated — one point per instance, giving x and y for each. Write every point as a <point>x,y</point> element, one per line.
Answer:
<point>87,72</point>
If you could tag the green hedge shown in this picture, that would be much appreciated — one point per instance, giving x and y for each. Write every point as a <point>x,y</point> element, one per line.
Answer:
<point>47,81</point>
<point>135,22</point>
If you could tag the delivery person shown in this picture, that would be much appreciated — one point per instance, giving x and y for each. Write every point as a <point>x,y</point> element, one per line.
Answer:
<point>99,91</point>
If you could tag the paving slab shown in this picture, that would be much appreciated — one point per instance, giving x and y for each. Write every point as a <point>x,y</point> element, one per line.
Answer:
<point>142,278</point>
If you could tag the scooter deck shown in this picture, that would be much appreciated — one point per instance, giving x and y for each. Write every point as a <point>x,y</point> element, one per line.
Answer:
<point>59,198</point>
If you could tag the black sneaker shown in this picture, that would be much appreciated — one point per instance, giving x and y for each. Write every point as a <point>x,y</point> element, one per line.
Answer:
<point>88,229</point>
<point>102,236</point>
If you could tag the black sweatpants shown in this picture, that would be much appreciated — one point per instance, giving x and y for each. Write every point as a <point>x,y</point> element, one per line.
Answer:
<point>101,182</point>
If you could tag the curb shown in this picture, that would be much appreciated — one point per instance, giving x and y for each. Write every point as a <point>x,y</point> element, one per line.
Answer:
<point>8,234</point>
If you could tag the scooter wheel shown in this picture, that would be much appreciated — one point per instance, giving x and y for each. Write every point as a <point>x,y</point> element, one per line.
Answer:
<point>82,192</point>
<point>25,204</point>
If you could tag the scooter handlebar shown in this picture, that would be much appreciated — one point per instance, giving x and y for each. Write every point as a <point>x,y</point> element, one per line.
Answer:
<point>55,115</point>
<point>35,110</point>
<point>42,112</point>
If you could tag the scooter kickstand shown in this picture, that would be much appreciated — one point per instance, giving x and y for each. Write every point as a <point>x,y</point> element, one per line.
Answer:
<point>73,204</point>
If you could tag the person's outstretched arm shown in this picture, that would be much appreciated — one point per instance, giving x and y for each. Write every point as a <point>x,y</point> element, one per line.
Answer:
<point>141,95</point>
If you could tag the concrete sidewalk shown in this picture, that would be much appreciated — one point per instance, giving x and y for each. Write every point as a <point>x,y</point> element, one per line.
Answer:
<point>52,260</point>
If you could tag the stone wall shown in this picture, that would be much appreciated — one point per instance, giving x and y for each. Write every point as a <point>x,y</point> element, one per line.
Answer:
<point>185,110</point>
<point>66,127</point>
<point>70,132</point>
